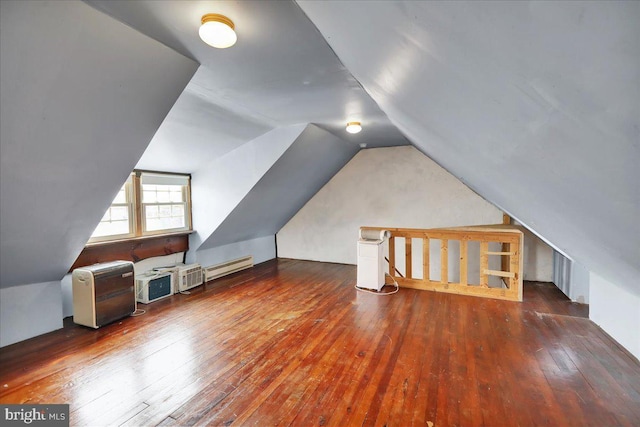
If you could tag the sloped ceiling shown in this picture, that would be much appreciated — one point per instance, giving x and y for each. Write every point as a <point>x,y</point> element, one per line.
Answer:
<point>82,96</point>
<point>218,189</point>
<point>196,132</point>
<point>281,72</point>
<point>308,164</point>
<point>535,105</point>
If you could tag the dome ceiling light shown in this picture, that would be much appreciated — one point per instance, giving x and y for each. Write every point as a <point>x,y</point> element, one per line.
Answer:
<point>217,31</point>
<point>354,127</point>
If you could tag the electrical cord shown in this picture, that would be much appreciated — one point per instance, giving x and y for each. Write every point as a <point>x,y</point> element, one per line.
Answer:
<point>397,288</point>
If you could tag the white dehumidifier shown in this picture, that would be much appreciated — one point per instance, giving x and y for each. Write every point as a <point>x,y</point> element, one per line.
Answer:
<point>370,273</point>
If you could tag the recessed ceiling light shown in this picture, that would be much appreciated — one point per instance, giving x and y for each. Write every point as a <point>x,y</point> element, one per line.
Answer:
<point>217,31</point>
<point>354,127</point>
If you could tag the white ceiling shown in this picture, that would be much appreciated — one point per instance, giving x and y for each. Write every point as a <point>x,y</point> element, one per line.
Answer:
<point>281,72</point>
<point>534,105</point>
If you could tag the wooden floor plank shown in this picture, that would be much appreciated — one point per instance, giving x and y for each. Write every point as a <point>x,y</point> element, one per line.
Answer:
<point>294,343</point>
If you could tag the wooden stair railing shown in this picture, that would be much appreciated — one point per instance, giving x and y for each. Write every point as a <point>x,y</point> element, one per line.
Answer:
<point>510,239</point>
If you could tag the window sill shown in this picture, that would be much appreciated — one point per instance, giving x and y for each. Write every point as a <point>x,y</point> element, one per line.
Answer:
<point>138,238</point>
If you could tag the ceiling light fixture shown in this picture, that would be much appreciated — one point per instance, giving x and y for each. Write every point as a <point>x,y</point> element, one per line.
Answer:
<point>354,127</point>
<point>217,31</point>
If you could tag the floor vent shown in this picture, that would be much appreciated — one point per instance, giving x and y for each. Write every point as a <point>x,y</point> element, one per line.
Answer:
<point>215,271</point>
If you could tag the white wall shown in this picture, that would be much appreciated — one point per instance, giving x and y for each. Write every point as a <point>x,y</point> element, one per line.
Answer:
<point>617,311</point>
<point>29,310</point>
<point>538,258</point>
<point>388,187</point>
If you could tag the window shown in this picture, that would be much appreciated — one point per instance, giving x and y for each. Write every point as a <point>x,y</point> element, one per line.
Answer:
<point>117,220</point>
<point>149,203</point>
<point>164,202</point>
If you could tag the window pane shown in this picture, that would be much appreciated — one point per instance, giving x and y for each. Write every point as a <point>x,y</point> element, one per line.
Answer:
<point>101,230</point>
<point>149,196</point>
<point>119,213</point>
<point>154,224</point>
<point>119,227</point>
<point>165,217</point>
<point>177,210</point>
<point>115,220</point>
<point>177,222</point>
<point>151,212</point>
<point>163,196</point>
<point>121,197</point>
<point>176,195</point>
<point>110,228</point>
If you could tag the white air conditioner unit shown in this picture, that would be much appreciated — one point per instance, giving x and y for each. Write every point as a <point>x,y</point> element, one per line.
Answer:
<point>174,275</point>
<point>189,276</point>
<point>153,286</point>
<point>216,271</point>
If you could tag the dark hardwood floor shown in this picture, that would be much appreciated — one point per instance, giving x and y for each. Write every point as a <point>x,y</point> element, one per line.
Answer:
<point>293,343</point>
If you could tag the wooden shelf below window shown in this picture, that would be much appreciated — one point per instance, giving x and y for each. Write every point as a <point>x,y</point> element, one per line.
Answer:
<point>133,250</point>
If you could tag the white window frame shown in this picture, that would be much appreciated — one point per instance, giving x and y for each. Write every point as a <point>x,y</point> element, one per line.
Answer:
<point>157,178</point>
<point>137,220</point>
<point>130,204</point>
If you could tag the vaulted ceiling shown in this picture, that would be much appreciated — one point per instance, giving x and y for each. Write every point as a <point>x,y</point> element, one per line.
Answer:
<point>280,73</point>
<point>534,105</point>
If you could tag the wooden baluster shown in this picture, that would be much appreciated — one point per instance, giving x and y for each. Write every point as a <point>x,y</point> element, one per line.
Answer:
<point>463,262</point>
<point>444,261</point>
<point>425,259</point>
<point>514,265</point>
<point>505,263</point>
<point>484,264</point>
<point>504,260</point>
<point>392,256</point>
<point>407,257</point>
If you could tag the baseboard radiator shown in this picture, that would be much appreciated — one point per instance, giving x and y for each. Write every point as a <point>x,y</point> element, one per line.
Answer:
<point>216,271</point>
